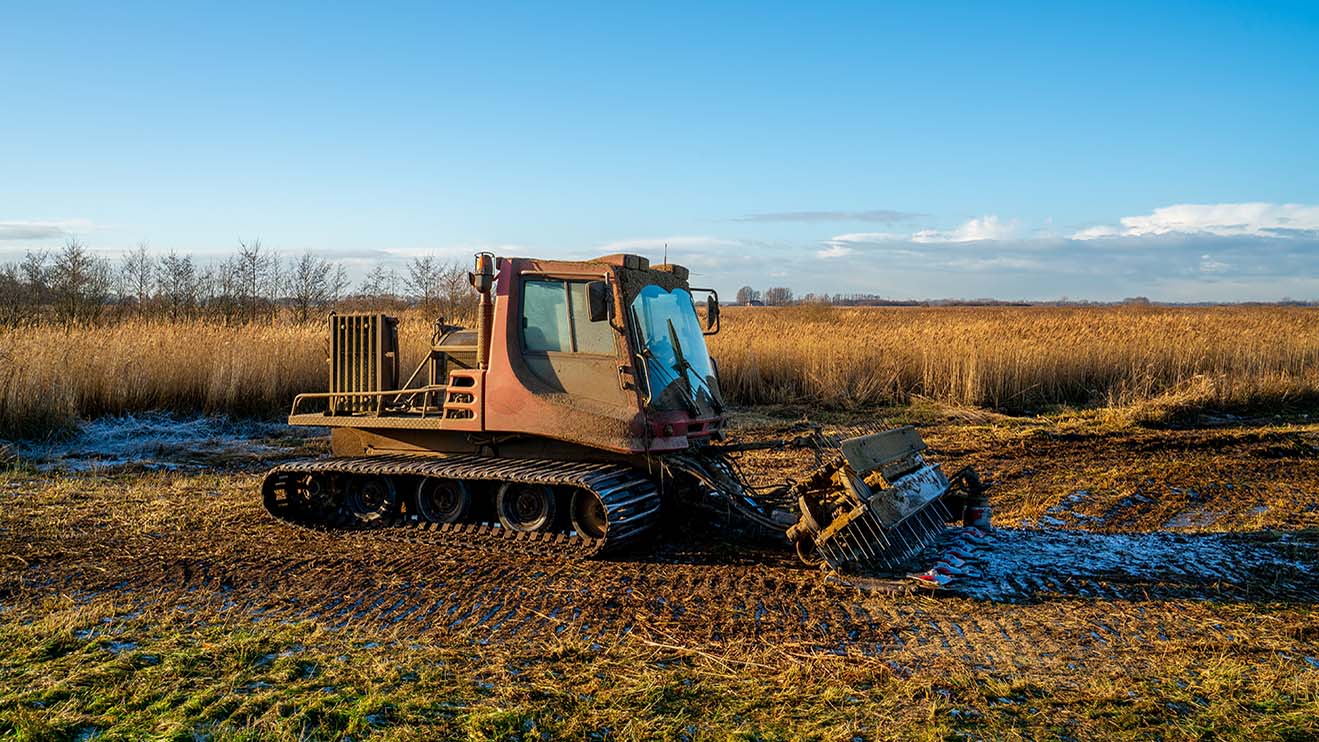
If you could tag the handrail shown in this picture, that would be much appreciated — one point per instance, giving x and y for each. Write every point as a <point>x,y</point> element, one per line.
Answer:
<point>428,389</point>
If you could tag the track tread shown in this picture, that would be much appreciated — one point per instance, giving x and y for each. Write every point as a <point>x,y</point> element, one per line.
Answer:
<point>631,500</point>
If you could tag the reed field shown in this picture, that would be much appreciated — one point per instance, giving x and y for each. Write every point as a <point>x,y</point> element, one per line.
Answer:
<point>1019,359</point>
<point>1009,359</point>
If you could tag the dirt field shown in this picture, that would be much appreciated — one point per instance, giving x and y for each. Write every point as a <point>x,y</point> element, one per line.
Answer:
<point>1142,582</point>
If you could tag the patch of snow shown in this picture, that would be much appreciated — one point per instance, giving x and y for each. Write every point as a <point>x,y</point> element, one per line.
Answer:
<point>1193,519</point>
<point>163,441</point>
<point>1015,563</point>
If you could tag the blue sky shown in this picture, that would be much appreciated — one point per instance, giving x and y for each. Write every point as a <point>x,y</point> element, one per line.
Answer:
<point>964,150</point>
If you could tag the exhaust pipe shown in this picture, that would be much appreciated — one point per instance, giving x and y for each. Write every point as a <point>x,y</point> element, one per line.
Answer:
<point>483,280</point>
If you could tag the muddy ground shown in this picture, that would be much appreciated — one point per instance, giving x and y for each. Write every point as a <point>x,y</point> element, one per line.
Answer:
<point>1117,546</point>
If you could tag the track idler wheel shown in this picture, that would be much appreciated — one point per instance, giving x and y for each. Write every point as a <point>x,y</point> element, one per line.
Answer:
<point>588,514</point>
<point>371,498</point>
<point>443,500</point>
<point>525,507</point>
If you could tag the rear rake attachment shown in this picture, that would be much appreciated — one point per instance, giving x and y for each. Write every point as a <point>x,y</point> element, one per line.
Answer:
<point>876,505</point>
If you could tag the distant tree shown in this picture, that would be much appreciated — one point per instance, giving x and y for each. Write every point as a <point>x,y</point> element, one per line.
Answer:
<point>309,284</point>
<point>378,284</point>
<point>339,283</point>
<point>746,295</point>
<point>256,280</point>
<point>177,284</point>
<point>456,294</point>
<point>137,276</point>
<point>12,295</point>
<point>36,277</point>
<point>80,283</point>
<point>438,287</point>
<point>778,296</point>
<point>423,281</point>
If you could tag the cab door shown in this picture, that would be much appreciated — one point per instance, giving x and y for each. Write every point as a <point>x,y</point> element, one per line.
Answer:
<point>562,349</point>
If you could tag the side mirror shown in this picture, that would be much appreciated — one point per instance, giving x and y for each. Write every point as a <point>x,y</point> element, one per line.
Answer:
<point>712,313</point>
<point>597,296</point>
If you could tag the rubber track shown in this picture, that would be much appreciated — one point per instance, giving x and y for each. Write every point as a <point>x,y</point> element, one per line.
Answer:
<point>631,501</point>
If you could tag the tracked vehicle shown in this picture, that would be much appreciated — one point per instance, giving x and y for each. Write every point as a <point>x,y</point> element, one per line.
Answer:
<point>583,404</point>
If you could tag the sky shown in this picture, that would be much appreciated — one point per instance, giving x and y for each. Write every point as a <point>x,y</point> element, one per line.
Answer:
<point>921,150</point>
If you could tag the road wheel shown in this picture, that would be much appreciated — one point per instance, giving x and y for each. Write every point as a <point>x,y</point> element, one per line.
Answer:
<point>371,498</point>
<point>528,508</point>
<point>588,514</point>
<point>443,500</point>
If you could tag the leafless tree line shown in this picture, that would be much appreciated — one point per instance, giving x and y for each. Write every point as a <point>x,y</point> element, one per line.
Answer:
<point>775,296</point>
<point>255,284</point>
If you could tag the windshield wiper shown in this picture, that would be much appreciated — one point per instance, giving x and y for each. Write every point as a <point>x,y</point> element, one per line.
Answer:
<point>688,400</point>
<point>648,355</point>
<point>680,363</point>
<point>682,366</point>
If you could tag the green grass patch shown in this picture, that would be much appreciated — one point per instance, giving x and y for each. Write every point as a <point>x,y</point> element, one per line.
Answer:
<point>74,672</point>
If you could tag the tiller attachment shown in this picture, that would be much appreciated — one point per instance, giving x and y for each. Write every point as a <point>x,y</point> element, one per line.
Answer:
<point>878,505</point>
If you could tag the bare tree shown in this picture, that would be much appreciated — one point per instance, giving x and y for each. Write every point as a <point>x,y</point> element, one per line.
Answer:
<point>339,283</point>
<point>80,283</point>
<point>256,284</point>
<point>778,296</point>
<point>423,281</point>
<point>439,287</point>
<point>36,277</point>
<point>12,295</point>
<point>177,284</point>
<point>378,284</point>
<point>137,276</point>
<point>746,295</point>
<point>309,284</point>
<point>456,294</point>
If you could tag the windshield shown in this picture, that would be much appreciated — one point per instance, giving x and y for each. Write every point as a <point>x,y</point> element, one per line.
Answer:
<point>678,365</point>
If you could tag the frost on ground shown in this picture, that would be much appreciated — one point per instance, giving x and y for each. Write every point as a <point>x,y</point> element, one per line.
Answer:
<point>164,441</point>
<point>1022,564</point>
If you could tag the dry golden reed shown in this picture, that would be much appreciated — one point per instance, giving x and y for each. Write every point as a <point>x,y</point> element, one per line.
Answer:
<point>1005,358</point>
<point>1019,358</point>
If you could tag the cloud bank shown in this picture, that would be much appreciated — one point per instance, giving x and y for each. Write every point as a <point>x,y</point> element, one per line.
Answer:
<point>1183,252</point>
<point>36,230</point>
<point>1221,220</point>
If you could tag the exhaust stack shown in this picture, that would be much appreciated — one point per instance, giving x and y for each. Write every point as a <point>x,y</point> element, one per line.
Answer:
<point>483,280</point>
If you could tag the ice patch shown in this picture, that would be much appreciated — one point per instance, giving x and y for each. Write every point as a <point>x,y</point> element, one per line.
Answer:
<point>1020,563</point>
<point>120,647</point>
<point>1193,519</point>
<point>1064,514</point>
<point>164,441</point>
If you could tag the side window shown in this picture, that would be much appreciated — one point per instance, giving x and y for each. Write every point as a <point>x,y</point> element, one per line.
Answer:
<point>556,318</point>
<point>591,337</point>
<point>545,317</point>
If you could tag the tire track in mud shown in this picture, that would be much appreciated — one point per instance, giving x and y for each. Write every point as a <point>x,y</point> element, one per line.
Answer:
<point>1060,611</point>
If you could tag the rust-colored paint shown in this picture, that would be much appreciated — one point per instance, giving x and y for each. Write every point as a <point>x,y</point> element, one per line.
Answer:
<point>498,387</point>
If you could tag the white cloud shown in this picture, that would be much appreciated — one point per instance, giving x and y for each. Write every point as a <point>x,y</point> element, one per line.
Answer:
<point>834,250</point>
<point>998,263</point>
<point>867,237</point>
<point>1258,219</point>
<point>1209,265</point>
<point>985,228</point>
<point>973,230</point>
<point>39,230</point>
